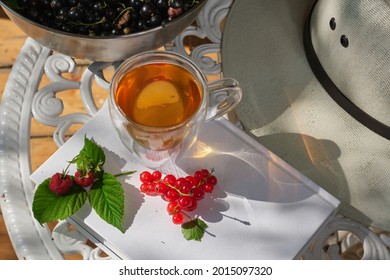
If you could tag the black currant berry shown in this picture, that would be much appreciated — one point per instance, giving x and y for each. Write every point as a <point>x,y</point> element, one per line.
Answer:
<point>162,5</point>
<point>147,10</point>
<point>136,4</point>
<point>155,20</point>
<point>176,3</point>
<point>56,4</point>
<point>72,3</point>
<point>75,13</point>
<point>23,3</point>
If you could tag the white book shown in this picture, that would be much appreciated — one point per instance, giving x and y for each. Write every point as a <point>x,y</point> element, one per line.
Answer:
<point>261,208</point>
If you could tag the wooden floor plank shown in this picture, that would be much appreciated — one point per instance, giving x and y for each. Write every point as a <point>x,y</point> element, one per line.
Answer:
<point>12,38</point>
<point>6,250</point>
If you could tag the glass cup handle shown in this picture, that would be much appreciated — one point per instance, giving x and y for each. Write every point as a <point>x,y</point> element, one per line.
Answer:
<point>97,68</point>
<point>224,95</point>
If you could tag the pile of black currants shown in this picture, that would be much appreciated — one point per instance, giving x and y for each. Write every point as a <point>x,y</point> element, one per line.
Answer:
<point>103,17</point>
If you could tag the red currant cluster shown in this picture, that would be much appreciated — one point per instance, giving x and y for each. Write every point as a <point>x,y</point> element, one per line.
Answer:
<point>182,194</point>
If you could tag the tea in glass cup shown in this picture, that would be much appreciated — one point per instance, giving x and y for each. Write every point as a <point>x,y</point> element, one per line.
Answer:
<point>158,95</point>
<point>158,101</point>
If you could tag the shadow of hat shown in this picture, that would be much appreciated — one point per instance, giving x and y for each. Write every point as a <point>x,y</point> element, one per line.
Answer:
<point>319,112</point>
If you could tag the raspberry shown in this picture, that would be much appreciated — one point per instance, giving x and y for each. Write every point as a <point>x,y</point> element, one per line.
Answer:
<point>60,184</point>
<point>84,180</point>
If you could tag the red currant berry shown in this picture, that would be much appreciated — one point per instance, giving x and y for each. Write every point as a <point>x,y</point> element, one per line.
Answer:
<point>205,173</point>
<point>150,188</point>
<point>171,195</point>
<point>197,193</point>
<point>212,180</point>
<point>199,175</point>
<point>146,177</point>
<point>193,182</point>
<point>156,175</point>
<point>208,187</point>
<point>193,205</point>
<point>181,182</point>
<point>161,188</point>
<point>184,201</point>
<point>144,188</point>
<point>185,189</point>
<point>170,180</point>
<point>172,207</point>
<point>177,218</point>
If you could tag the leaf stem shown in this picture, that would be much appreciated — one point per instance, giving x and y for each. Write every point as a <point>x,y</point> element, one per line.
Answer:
<point>125,173</point>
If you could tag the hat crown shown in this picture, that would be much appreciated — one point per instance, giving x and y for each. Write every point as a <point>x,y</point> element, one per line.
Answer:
<point>352,42</point>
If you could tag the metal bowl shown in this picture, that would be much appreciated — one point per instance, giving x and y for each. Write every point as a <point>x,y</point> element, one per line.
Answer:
<point>107,48</point>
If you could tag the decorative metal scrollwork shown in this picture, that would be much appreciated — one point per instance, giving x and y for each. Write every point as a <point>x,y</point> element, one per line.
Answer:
<point>340,235</point>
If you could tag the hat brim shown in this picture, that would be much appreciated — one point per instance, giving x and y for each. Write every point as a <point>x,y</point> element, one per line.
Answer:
<point>287,110</point>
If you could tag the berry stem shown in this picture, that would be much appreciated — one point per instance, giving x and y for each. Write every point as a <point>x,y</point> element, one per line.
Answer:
<point>194,2</point>
<point>185,214</point>
<point>75,23</point>
<point>176,189</point>
<point>65,172</point>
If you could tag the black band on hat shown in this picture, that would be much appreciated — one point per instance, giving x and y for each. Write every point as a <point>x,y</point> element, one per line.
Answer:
<point>320,73</point>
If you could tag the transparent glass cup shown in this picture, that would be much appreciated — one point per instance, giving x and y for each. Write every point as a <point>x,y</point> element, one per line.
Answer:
<point>151,145</point>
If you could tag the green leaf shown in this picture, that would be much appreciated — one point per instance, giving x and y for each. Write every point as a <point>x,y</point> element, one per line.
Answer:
<point>91,156</point>
<point>107,199</point>
<point>194,229</point>
<point>49,207</point>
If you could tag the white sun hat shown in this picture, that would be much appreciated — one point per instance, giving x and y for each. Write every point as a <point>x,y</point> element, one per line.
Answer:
<point>316,91</point>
